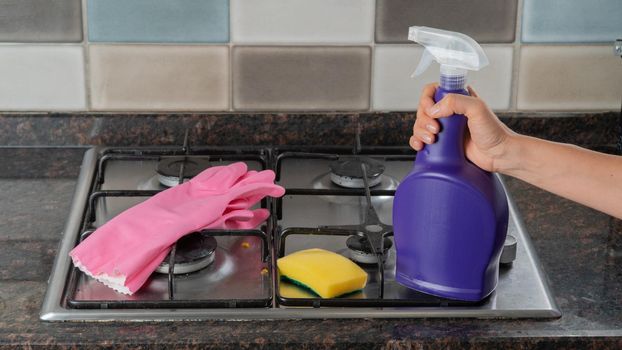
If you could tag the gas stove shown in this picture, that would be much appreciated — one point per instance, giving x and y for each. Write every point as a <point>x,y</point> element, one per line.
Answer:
<point>337,198</point>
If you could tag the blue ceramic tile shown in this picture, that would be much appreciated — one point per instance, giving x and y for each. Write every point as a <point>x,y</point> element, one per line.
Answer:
<point>572,20</point>
<point>158,20</point>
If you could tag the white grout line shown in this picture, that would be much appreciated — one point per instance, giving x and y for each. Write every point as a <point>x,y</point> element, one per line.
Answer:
<point>230,77</point>
<point>516,57</point>
<point>230,67</point>
<point>42,44</point>
<point>372,59</point>
<point>87,56</point>
<point>555,113</point>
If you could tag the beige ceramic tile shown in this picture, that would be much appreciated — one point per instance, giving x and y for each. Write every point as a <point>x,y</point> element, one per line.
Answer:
<point>150,77</point>
<point>301,78</point>
<point>569,78</point>
<point>394,90</point>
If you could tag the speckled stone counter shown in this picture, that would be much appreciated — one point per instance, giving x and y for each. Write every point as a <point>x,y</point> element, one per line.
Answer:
<point>395,128</point>
<point>580,249</point>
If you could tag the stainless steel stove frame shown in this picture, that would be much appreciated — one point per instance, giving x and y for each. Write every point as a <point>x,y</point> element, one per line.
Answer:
<point>524,294</point>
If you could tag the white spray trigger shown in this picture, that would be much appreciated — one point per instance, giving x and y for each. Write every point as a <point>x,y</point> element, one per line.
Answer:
<point>455,52</point>
<point>424,63</point>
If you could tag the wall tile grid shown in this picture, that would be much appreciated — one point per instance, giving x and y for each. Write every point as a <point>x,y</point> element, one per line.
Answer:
<point>298,55</point>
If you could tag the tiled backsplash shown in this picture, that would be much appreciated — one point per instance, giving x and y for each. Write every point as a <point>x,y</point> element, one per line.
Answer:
<point>298,55</point>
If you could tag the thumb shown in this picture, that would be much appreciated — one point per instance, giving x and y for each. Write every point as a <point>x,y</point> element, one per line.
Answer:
<point>456,104</point>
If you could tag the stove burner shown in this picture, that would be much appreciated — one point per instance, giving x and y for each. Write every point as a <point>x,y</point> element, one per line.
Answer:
<point>347,172</point>
<point>168,169</point>
<point>360,251</point>
<point>194,252</point>
<point>324,182</point>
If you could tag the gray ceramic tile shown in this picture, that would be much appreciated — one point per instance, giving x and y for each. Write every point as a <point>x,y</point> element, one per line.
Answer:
<point>572,20</point>
<point>301,78</point>
<point>569,78</point>
<point>158,20</point>
<point>487,21</point>
<point>150,77</point>
<point>40,21</point>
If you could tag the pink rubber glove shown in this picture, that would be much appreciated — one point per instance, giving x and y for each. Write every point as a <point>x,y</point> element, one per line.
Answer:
<point>251,177</point>
<point>126,250</point>
<point>235,220</point>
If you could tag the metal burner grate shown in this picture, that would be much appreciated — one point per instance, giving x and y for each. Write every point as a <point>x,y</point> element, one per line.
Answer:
<point>371,227</point>
<point>172,301</point>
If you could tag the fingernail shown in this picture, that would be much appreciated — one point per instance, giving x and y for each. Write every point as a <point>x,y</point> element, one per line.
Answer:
<point>431,127</point>
<point>427,138</point>
<point>434,109</point>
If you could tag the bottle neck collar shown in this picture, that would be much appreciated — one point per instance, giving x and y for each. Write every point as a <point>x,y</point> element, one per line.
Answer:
<point>453,82</point>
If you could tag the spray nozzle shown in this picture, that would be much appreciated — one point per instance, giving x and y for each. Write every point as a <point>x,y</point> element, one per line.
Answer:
<point>455,52</point>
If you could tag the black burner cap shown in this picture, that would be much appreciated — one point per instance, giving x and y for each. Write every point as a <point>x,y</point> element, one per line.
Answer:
<point>351,167</point>
<point>359,243</point>
<point>170,166</point>
<point>194,246</point>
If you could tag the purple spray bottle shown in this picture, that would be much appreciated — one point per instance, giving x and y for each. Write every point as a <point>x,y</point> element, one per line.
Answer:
<point>449,216</point>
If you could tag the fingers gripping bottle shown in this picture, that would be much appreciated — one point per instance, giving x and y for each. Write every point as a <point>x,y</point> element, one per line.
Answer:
<point>449,216</point>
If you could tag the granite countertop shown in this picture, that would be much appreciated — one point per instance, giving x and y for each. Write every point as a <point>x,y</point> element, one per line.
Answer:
<point>580,250</point>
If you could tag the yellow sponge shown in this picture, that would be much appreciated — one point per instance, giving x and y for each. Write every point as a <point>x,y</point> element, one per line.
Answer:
<point>328,274</point>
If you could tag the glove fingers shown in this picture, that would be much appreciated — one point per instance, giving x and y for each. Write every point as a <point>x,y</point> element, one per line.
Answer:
<point>220,179</point>
<point>235,215</point>
<point>239,203</point>
<point>265,176</point>
<point>256,191</point>
<point>258,216</point>
<point>246,201</point>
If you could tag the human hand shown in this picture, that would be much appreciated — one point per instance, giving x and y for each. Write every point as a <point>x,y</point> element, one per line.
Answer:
<point>488,138</point>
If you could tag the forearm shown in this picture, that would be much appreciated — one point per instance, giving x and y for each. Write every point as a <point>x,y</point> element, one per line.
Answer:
<point>587,177</point>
